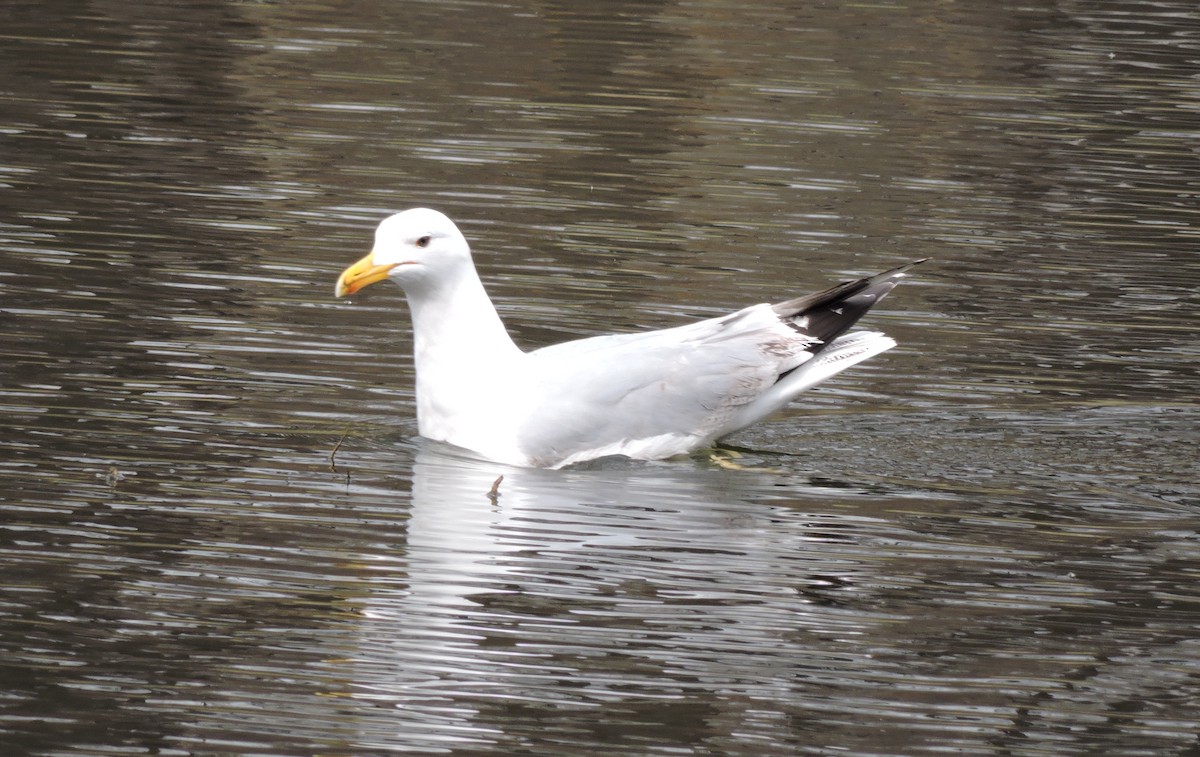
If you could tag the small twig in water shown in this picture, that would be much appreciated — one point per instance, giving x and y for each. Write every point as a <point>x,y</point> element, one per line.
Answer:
<point>336,447</point>
<point>494,494</point>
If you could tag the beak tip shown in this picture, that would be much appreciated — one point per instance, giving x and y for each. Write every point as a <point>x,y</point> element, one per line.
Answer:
<point>361,274</point>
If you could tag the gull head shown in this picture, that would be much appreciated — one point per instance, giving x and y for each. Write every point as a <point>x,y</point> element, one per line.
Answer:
<point>416,246</point>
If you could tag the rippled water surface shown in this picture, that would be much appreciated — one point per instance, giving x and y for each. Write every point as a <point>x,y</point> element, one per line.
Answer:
<point>220,534</point>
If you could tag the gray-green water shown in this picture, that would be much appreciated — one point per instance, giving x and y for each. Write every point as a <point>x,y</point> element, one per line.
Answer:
<point>982,542</point>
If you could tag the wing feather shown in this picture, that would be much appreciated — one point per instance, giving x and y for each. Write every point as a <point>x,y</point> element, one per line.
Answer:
<point>686,381</point>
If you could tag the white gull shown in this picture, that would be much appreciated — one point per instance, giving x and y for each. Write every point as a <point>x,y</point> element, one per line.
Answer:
<point>647,395</point>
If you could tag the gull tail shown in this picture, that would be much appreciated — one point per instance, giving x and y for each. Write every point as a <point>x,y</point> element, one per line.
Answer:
<point>825,317</point>
<point>842,353</point>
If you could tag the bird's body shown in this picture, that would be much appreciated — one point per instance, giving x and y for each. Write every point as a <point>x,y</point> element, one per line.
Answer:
<point>647,395</point>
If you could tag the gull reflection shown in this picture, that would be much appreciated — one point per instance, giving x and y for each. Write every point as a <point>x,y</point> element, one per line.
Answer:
<point>623,584</point>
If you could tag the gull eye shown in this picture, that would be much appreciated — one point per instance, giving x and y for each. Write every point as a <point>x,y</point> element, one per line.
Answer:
<point>423,241</point>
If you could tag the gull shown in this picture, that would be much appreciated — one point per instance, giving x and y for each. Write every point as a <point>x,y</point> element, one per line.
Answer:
<point>650,395</point>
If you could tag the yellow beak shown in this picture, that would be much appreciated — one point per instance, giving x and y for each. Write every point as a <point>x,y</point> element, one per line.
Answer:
<point>361,274</point>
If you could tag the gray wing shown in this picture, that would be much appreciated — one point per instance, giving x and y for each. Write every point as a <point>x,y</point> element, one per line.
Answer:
<point>686,381</point>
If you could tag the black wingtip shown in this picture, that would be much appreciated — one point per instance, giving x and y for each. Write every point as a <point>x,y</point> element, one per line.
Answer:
<point>828,314</point>
<point>898,269</point>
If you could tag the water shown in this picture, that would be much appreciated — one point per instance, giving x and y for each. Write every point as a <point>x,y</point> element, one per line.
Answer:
<point>220,534</point>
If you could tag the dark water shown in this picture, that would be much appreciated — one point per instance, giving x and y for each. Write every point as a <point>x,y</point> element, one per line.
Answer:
<point>983,542</point>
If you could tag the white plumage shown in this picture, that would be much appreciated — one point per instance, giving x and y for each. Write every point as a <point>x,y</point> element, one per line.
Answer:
<point>648,395</point>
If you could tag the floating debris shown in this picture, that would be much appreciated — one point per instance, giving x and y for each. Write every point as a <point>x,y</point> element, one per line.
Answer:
<point>115,476</point>
<point>494,494</point>
<point>333,453</point>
